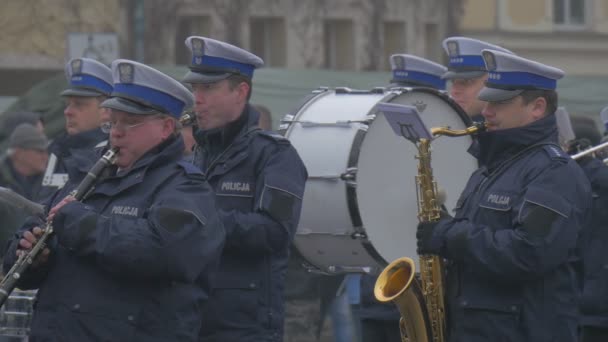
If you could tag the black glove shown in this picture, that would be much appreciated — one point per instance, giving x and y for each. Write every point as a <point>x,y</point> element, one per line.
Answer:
<point>424,235</point>
<point>427,242</point>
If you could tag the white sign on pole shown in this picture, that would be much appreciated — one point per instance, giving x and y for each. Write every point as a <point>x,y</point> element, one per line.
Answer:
<point>102,47</point>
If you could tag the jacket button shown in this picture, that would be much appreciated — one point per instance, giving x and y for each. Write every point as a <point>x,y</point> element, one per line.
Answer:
<point>130,318</point>
<point>513,308</point>
<point>252,285</point>
<point>464,303</point>
<point>76,307</point>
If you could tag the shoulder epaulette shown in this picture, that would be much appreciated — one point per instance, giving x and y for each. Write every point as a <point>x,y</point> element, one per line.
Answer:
<point>276,137</point>
<point>554,152</point>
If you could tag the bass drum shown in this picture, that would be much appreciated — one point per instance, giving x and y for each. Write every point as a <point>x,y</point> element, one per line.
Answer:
<point>359,209</point>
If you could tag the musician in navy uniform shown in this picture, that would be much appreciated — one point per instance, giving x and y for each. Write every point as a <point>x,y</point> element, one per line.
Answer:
<point>511,244</point>
<point>132,261</point>
<point>90,83</point>
<point>594,238</point>
<point>259,182</point>
<point>467,72</point>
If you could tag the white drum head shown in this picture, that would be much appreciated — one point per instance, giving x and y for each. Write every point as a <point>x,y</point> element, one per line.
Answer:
<point>386,185</point>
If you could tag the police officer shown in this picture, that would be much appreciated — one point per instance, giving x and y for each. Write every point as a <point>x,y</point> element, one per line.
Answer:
<point>512,241</point>
<point>131,262</point>
<point>594,237</point>
<point>259,181</point>
<point>467,72</point>
<point>90,82</point>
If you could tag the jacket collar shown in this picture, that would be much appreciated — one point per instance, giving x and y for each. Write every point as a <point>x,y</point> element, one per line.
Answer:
<point>494,147</point>
<point>218,139</point>
<point>166,152</point>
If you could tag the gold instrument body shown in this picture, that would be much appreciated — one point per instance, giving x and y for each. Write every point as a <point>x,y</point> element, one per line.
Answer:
<point>421,302</point>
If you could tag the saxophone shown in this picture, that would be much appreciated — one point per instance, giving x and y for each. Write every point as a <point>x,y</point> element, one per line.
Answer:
<point>25,260</point>
<point>421,300</point>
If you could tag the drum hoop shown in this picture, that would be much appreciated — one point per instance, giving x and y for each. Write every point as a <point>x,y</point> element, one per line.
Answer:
<point>297,109</point>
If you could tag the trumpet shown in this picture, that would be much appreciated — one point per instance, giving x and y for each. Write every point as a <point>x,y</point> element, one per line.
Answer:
<point>590,151</point>
<point>25,260</point>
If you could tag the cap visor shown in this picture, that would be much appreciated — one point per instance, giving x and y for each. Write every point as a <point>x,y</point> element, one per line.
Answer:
<point>124,105</point>
<point>497,95</point>
<point>196,77</point>
<point>450,75</point>
<point>81,92</point>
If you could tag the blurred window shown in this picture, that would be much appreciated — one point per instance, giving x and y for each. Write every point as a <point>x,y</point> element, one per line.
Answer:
<point>339,45</point>
<point>395,41</point>
<point>570,13</point>
<point>267,40</point>
<point>189,26</point>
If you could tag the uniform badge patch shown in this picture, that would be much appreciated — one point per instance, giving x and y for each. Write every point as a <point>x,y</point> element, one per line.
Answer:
<point>125,210</point>
<point>490,60</point>
<point>198,47</point>
<point>76,66</point>
<point>453,49</point>
<point>126,73</point>
<point>420,106</point>
<point>399,62</point>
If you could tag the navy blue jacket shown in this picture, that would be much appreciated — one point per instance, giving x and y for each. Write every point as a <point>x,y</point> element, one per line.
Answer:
<point>594,303</point>
<point>259,182</point>
<point>62,153</point>
<point>511,279</point>
<point>132,261</point>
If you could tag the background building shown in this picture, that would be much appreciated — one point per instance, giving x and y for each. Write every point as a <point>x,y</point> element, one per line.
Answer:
<point>569,34</point>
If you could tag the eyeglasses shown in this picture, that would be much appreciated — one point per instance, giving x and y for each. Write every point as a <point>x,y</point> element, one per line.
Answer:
<point>106,127</point>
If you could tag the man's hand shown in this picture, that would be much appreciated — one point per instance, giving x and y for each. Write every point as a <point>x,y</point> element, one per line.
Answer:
<point>28,241</point>
<point>428,242</point>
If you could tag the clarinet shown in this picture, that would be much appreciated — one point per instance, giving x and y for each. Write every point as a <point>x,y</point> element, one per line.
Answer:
<point>25,260</point>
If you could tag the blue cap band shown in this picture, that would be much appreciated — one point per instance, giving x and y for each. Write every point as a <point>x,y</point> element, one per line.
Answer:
<point>521,79</point>
<point>420,77</point>
<point>88,81</point>
<point>467,61</point>
<point>222,63</point>
<point>173,106</point>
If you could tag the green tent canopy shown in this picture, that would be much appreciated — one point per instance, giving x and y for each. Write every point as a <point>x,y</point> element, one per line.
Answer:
<point>281,90</point>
